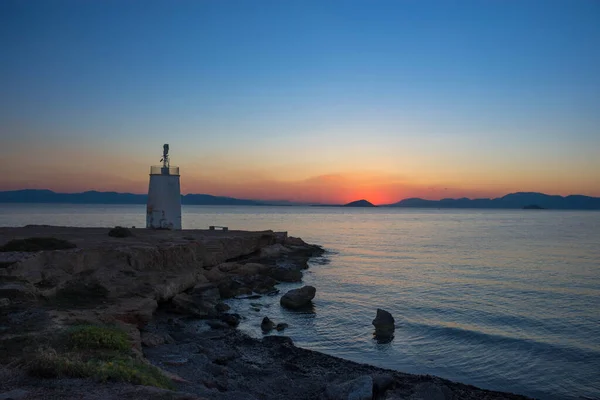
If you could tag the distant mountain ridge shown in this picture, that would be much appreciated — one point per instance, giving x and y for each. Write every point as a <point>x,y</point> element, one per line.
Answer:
<point>94,197</point>
<point>512,200</point>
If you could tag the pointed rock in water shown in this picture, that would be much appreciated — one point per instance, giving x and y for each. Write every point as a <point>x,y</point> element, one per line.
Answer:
<point>384,325</point>
<point>267,325</point>
<point>298,298</point>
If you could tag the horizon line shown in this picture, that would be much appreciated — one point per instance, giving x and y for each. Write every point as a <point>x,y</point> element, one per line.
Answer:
<point>308,203</point>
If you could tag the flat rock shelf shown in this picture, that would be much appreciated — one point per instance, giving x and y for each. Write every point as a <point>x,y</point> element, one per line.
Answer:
<point>90,316</point>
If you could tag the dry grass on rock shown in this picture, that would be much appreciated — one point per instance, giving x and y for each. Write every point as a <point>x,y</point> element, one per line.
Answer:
<point>91,351</point>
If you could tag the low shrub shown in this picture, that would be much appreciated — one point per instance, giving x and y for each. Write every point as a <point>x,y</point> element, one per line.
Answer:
<point>99,352</point>
<point>48,363</point>
<point>93,337</point>
<point>120,232</point>
<point>132,371</point>
<point>37,244</point>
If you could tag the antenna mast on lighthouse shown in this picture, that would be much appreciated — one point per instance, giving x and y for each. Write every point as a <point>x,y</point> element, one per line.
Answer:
<point>165,157</point>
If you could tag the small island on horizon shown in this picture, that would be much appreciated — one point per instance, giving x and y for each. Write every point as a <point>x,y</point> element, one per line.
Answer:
<point>533,207</point>
<point>359,203</point>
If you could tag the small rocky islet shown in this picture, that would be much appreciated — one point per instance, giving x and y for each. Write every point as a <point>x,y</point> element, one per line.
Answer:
<point>139,314</point>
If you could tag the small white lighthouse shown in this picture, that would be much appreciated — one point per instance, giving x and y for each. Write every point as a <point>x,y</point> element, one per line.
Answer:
<point>164,195</point>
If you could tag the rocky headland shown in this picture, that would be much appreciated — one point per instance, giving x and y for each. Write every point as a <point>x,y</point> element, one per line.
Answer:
<point>139,314</point>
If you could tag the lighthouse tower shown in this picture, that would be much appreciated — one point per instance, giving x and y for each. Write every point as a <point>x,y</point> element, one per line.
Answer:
<point>164,195</point>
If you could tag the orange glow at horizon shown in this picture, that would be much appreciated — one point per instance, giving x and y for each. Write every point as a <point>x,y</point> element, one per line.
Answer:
<point>92,169</point>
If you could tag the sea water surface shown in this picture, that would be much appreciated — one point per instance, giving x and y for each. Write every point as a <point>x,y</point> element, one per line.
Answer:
<point>501,299</point>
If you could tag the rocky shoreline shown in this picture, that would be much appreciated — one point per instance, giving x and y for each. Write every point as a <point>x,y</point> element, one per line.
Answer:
<point>164,290</point>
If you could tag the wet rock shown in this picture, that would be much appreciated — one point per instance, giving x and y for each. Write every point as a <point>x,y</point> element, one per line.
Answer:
<point>286,274</point>
<point>262,284</point>
<point>4,302</point>
<point>16,394</point>
<point>231,319</point>
<point>248,297</point>
<point>217,324</point>
<point>281,326</point>
<point>230,289</point>
<point>384,325</point>
<point>360,388</point>
<point>267,325</point>
<point>222,307</point>
<point>298,298</point>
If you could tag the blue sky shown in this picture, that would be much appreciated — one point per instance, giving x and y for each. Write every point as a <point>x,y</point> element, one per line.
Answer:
<point>440,93</point>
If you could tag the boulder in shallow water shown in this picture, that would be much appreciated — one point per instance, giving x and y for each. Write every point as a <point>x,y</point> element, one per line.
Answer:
<point>281,326</point>
<point>267,325</point>
<point>384,322</point>
<point>360,388</point>
<point>231,319</point>
<point>298,298</point>
<point>384,327</point>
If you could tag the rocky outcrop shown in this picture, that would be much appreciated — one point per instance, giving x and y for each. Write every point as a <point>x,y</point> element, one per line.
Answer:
<point>105,279</point>
<point>286,274</point>
<point>186,304</point>
<point>298,298</point>
<point>384,326</point>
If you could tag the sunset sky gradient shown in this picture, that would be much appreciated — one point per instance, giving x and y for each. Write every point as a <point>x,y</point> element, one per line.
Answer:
<point>316,101</point>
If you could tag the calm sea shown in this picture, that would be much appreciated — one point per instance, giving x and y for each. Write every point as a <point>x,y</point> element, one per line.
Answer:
<point>505,300</point>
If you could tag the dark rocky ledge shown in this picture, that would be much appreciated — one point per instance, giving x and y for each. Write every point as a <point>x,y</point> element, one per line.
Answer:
<point>164,290</point>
